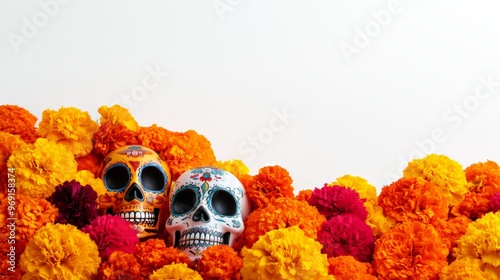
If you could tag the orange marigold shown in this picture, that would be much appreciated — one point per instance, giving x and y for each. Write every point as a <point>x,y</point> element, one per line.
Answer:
<point>411,250</point>
<point>271,182</point>
<point>153,254</point>
<point>19,121</point>
<point>186,151</point>
<point>220,262</point>
<point>90,162</point>
<point>154,137</point>
<point>235,167</point>
<point>30,213</point>
<point>280,213</point>
<point>111,136</point>
<point>120,265</point>
<point>304,195</point>
<point>484,177</point>
<point>413,199</point>
<point>343,265</point>
<point>474,205</point>
<point>451,230</point>
<point>8,143</point>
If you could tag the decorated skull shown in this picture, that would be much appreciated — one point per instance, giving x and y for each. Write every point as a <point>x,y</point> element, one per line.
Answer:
<point>207,207</point>
<point>136,180</point>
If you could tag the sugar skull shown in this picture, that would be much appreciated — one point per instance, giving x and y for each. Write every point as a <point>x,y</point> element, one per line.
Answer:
<point>136,181</point>
<point>207,207</point>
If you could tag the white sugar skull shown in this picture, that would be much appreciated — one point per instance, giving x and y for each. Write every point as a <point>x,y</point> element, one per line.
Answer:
<point>207,207</point>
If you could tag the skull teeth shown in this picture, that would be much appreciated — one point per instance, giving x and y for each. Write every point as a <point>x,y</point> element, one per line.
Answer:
<point>137,217</point>
<point>195,238</point>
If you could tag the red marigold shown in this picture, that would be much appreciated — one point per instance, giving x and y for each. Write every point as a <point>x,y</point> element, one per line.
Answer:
<point>474,206</point>
<point>413,199</point>
<point>484,177</point>
<point>495,202</point>
<point>280,213</point>
<point>411,250</point>
<point>90,162</point>
<point>451,230</point>
<point>111,136</point>
<point>153,254</point>
<point>19,121</point>
<point>120,265</point>
<point>186,151</point>
<point>332,201</point>
<point>220,262</point>
<point>271,182</point>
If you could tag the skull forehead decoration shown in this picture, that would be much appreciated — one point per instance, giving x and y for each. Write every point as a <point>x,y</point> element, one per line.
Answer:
<point>136,180</point>
<point>207,207</point>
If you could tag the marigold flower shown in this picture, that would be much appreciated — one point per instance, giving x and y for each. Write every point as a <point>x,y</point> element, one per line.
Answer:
<point>8,143</point>
<point>464,269</point>
<point>153,254</point>
<point>348,268</point>
<point>85,177</point>
<point>495,202</point>
<point>480,242</point>
<point>377,221</point>
<point>280,213</point>
<point>186,151</point>
<point>484,177</point>
<point>220,262</point>
<point>90,162</point>
<point>360,185</point>
<point>19,121</point>
<point>111,136</point>
<point>112,233</point>
<point>413,199</point>
<point>77,204</point>
<point>235,167</point>
<point>60,252</point>
<point>411,250</point>
<point>30,213</point>
<point>70,127</point>
<point>120,265</point>
<point>444,172</point>
<point>337,200</point>
<point>347,234</point>
<point>474,205</point>
<point>154,137</point>
<point>285,253</point>
<point>176,271</point>
<point>40,167</point>
<point>271,182</point>
<point>452,229</point>
<point>304,195</point>
<point>117,114</point>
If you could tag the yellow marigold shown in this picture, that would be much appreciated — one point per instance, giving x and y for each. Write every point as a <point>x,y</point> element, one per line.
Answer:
<point>484,177</point>
<point>480,241</point>
<point>446,173</point>
<point>412,250</point>
<point>235,167</point>
<point>377,221</point>
<point>30,213</point>
<point>285,254</point>
<point>8,143</point>
<point>19,121</point>
<point>60,252</point>
<point>41,166</point>
<point>464,269</point>
<point>176,271</point>
<point>360,185</point>
<point>70,127</point>
<point>117,114</point>
<point>85,177</point>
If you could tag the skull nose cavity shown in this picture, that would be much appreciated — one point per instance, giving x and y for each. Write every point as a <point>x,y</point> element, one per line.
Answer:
<point>201,215</point>
<point>134,192</point>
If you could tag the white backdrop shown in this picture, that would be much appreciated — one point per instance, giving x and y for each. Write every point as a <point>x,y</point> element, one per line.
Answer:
<point>322,88</point>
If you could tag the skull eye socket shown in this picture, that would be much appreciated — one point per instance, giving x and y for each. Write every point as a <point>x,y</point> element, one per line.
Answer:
<point>223,203</point>
<point>117,177</point>
<point>184,201</point>
<point>152,178</point>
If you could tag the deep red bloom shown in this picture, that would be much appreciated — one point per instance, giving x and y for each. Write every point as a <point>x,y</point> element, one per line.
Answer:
<point>332,201</point>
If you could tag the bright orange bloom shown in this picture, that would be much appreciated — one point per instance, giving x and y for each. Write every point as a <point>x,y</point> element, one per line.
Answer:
<point>271,182</point>
<point>220,262</point>
<point>19,121</point>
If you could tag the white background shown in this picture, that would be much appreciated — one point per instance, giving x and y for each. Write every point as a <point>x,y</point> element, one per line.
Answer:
<point>233,64</point>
